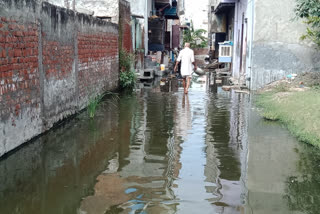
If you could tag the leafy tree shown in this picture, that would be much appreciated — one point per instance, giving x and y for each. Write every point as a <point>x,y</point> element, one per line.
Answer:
<point>310,11</point>
<point>195,37</point>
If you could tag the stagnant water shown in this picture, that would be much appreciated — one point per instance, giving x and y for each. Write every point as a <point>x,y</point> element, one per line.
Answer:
<point>164,152</point>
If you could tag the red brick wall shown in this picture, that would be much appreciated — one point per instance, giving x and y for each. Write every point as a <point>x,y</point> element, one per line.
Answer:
<point>125,25</point>
<point>19,73</point>
<point>57,59</point>
<point>200,55</point>
<point>201,51</point>
<point>51,63</point>
<point>98,55</point>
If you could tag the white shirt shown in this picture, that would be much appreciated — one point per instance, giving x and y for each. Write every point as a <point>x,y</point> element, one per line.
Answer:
<point>186,56</point>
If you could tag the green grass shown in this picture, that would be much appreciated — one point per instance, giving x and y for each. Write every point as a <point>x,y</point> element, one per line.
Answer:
<point>94,102</point>
<point>299,111</point>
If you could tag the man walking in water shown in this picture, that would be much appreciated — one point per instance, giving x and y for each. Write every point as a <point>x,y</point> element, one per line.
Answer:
<point>186,57</point>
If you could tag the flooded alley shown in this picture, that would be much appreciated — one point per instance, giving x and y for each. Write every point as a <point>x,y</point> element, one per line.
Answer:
<point>162,151</point>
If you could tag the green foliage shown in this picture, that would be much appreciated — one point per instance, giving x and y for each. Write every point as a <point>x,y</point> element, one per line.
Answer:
<point>127,76</point>
<point>128,79</point>
<point>309,10</point>
<point>94,102</point>
<point>126,60</point>
<point>195,37</point>
<point>316,87</point>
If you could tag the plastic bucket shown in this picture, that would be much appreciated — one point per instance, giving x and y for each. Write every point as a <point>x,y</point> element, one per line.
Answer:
<point>162,67</point>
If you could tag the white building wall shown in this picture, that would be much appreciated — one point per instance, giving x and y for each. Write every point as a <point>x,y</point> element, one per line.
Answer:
<point>137,7</point>
<point>272,47</point>
<point>277,49</point>
<point>109,8</point>
<point>197,11</point>
<point>250,33</point>
<point>241,18</point>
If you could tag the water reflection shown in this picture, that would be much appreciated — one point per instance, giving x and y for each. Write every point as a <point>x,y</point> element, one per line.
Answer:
<point>283,174</point>
<point>183,118</point>
<point>53,173</point>
<point>223,153</point>
<point>162,151</point>
<point>302,191</point>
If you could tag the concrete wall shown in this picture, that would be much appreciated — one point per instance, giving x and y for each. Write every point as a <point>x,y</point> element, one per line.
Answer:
<point>181,7</point>
<point>240,35</point>
<point>277,49</point>
<point>138,7</point>
<point>52,61</point>
<point>102,8</point>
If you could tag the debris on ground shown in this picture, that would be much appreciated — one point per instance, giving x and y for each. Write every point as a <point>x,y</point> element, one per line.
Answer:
<point>213,65</point>
<point>294,82</point>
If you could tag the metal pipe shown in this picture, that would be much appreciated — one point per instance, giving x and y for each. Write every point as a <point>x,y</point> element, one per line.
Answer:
<point>146,29</point>
<point>251,41</point>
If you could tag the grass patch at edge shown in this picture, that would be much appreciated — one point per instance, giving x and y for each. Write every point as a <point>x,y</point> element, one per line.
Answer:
<point>299,111</point>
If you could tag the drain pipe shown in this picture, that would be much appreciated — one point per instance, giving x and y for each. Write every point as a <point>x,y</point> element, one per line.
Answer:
<point>146,29</point>
<point>252,28</point>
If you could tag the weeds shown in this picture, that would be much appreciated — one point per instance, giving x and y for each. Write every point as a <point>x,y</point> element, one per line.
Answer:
<point>94,102</point>
<point>316,87</point>
<point>126,61</point>
<point>282,87</point>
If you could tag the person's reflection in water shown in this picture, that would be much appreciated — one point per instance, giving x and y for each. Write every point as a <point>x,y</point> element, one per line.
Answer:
<point>184,117</point>
<point>185,100</point>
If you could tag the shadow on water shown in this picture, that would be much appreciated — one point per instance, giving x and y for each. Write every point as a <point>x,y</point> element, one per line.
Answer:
<point>161,151</point>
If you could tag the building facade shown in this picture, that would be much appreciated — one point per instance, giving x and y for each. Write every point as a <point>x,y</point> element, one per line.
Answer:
<point>266,39</point>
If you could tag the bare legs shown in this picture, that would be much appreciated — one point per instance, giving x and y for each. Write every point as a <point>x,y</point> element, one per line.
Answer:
<point>186,84</point>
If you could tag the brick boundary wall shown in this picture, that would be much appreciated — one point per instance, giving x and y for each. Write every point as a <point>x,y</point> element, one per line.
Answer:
<point>52,60</point>
<point>125,33</point>
<point>200,55</point>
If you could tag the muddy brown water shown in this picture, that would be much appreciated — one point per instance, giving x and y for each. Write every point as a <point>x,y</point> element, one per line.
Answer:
<point>164,152</point>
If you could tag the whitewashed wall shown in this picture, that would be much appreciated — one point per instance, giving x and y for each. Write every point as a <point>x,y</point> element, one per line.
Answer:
<point>108,8</point>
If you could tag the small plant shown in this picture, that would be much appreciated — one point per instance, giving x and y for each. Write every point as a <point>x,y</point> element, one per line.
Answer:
<point>127,79</point>
<point>127,74</point>
<point>126,60</point>
<point>94,102</point>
